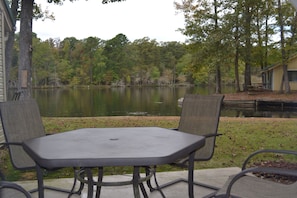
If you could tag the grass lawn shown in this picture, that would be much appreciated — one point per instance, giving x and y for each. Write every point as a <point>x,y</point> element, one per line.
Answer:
<point>241,136</point>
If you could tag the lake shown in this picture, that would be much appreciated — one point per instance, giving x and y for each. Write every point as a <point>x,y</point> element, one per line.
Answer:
<point>122,101</point>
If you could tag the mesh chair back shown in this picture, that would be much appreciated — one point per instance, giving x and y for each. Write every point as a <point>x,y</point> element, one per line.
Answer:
<point>200,115</point>
<point>21,120</point>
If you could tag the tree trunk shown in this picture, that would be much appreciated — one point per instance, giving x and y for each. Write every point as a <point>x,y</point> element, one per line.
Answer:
<point>266,49</point>
<point>218,65</point>
<point>236,58</point>
<point>25,56</point>
<point>247,74</point>
<point>285,81</point>
<point>9,45</point>
<point>218,79</point>
<point>236,65</point>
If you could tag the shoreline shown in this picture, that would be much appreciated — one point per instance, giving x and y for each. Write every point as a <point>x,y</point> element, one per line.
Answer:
<point>269,96</point>
<point>171,118</point>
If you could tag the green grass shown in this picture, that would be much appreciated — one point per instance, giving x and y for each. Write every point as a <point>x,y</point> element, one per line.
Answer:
<point>241,136</point>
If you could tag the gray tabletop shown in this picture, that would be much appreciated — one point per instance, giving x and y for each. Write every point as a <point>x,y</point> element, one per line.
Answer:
<point>93,147</point>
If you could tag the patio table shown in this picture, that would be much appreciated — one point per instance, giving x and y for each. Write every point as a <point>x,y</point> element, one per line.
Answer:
<point>102,147</point>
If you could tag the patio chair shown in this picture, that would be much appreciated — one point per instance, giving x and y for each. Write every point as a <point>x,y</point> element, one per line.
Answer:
<point>247,185</point>
<point>12,190</point>
<point>21,121</point>
<point>200,115</point>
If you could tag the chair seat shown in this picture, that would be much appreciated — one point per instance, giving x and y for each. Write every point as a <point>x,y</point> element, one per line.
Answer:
<point>253,187</point>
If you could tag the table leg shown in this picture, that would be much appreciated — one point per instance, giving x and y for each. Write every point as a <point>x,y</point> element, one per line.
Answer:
<point>191,175</point>
<point>100,179</point>
<point>90,182</point>
<point>40,181</point>
<point>136,184</point>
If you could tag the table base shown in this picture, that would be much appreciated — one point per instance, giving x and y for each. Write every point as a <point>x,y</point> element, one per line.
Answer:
<point>85,175</point>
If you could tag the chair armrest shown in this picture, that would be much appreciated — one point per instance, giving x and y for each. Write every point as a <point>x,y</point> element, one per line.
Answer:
<point>6,144</point>
<point>280,171</point>
<point>206,136</point>
<point>288,152</point>
<point>212,135</point>
<point>14,186</point>
<point>11,143</point>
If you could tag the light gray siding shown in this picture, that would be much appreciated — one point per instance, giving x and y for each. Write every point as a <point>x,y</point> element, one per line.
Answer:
<point>2,67</point>
<point>6,26</point>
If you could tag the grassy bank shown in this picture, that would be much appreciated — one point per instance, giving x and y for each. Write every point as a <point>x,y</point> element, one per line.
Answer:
<point>241,136</point>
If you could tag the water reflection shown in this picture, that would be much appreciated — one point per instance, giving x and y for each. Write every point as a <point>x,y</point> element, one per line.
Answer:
<point>121,101</point>
<point>109,101</point>
<point>251,112</point>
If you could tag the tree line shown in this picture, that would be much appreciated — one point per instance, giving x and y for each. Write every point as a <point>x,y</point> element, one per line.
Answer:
<point>240,32</point>
<point>228,39</point>
<point>25,11</point>
<point>93,61</point>
<point>118,61</point>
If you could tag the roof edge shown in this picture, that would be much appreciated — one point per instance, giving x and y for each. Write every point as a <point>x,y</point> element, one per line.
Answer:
<point>8,9</point>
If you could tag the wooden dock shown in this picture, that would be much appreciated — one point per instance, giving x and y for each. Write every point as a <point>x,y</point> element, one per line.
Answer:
<point>261,104</point>
<point>277,104</point>
<point>240,103</point>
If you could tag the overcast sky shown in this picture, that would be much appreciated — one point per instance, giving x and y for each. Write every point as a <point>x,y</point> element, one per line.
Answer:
<point>156,19</point>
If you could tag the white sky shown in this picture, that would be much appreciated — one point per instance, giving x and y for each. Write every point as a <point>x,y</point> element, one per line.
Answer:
<point>156,19</point>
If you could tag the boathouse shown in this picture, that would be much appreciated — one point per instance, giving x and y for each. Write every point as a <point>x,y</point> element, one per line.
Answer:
<point>273,75</point>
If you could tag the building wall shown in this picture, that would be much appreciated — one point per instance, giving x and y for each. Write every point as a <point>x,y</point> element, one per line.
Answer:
<point>2,66</point>
<point>292,66</point>
<point>2,60</point>
<point>276,78</point>
<point>278,75</point>
<point>6,25</point>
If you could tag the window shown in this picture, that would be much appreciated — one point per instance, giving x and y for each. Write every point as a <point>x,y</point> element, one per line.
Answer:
<point>292,75</point>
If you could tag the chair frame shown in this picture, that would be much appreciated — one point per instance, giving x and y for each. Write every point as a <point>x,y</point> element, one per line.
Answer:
<point>183,164</point>
<point>245,171</point>
<point>11,185</point>
<point>7,144</point>
<point>6,184</point>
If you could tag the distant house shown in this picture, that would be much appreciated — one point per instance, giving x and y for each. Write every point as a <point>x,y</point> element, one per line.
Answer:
<point>273,75</point>
<point>6,26</point>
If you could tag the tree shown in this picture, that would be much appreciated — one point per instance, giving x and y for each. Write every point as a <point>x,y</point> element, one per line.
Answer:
<point>171,52</point>
<point>99,67</point>
<point>285,79</point>
<point>233,19</point>
<point>248,8</point>
<point>217,43</point>
<point>146,59</point>
<point>111,1</point>
<point>116,54</point>
<point>203,25</point>
<point>244,23</point>
<point>10,43</point>
<point>25,44</point>
<point>44,70</point>
<point>25,57</point>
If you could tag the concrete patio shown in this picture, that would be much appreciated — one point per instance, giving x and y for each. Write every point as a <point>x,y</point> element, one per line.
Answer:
<point>216,177</point>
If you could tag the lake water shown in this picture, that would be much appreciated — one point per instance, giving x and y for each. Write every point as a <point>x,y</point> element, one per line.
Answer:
<point>122,101</point>
<point>117,101</point>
